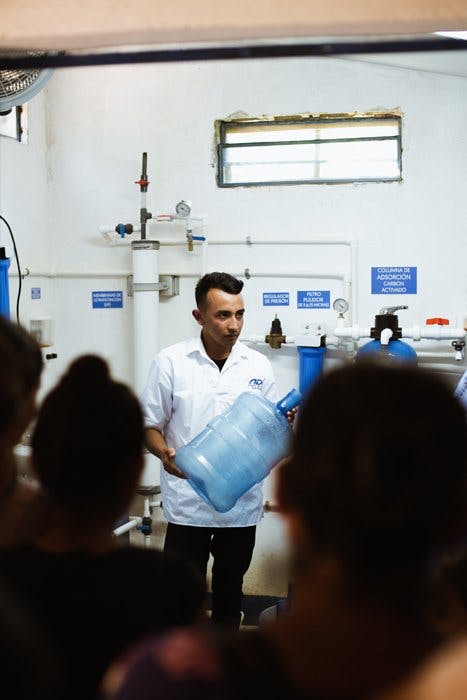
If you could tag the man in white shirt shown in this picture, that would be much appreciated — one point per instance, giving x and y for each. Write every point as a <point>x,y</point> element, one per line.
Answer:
<point>189,383</point>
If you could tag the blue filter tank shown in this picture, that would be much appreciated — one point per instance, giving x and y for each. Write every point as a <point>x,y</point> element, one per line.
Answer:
<point>238,448</point>
<point>395,350</point>
<point>311,366</point>
<point>4,289</point>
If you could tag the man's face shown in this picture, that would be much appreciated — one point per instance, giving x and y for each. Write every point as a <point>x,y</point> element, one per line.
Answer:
<point>221,319</point>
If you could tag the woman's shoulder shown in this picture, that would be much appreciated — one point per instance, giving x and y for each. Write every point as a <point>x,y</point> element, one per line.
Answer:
<point>187,664</point>
<point>182,663</point>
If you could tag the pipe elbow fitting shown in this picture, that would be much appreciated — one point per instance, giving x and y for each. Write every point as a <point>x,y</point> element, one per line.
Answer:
<point>386,335</point>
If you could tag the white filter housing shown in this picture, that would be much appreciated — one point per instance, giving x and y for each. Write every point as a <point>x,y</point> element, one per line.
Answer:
<point>145,308</point>
<point>145,325</point>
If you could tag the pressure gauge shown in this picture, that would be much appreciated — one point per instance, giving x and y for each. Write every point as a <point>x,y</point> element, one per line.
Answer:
<point>340,305</point>
<point>183,208</point>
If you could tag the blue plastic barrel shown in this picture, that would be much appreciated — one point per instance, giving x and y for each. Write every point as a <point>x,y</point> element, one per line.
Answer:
<point>238,448</point>
<point>396,351</point>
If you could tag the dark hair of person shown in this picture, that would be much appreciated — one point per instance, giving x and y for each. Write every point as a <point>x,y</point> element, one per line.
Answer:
<point>216,280</point>
<point>449,579</point>
<point>453,571</point>
<point>378,472</point>
<point>20,368</point>
<point>87,438</point>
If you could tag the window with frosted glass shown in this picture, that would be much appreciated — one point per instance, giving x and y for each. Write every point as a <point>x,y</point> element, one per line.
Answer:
<point>309,150</point>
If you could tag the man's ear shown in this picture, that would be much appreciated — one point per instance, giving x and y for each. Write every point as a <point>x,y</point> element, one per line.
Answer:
<point>198,316</point>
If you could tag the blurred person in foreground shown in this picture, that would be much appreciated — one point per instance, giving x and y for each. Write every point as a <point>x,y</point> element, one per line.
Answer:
<point>375,487</point>
<point>90,595</point>
<point>22,504</point>
<point>28,663</point>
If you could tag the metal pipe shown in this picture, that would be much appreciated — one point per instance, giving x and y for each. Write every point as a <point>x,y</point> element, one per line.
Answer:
<point>143,183</point>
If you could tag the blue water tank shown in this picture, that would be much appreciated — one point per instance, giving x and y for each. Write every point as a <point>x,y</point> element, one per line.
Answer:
<point>395,350</point>
<point>238,448</point>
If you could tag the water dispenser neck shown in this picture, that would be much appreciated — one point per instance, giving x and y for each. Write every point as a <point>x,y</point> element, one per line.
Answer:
<point>289,401</point>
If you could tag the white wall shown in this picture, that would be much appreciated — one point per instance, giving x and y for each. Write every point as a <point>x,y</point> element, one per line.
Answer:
<point>88,129</point>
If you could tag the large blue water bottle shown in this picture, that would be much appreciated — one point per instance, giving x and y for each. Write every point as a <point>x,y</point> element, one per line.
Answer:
<point>395,350</point>
<point>4,289</point>
<point>238,448</point>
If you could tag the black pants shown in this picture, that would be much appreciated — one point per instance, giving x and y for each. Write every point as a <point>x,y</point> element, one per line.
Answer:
<point>231,548</point>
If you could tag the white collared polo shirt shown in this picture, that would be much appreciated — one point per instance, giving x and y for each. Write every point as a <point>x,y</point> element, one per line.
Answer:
<point>184,391</point>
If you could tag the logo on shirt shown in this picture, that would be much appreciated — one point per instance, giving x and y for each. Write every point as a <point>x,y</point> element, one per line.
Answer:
<point>256,383</point>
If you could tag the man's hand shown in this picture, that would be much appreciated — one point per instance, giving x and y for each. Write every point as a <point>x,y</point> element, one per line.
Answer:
<point>290,415</point>
<point>167,459</point>
<point>156,444</point>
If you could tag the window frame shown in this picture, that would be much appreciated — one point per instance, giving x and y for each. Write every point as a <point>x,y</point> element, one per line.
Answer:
<point>223,125</point>
<point>19,116</point>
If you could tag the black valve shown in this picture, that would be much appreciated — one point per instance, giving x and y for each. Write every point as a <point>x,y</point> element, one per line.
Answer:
<point>146,526</point>
<point>126,229</point>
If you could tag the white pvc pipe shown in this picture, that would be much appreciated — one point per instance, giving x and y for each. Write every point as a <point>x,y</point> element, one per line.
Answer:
<point>433,332</point>
<point>349,280</point>
<point>145,309</point>
<point>260,340</point>
<point>125,273</point>
<point>386,335</point>
<point>249,241</point>
<point>355,332</point>
<point>252,338</point>
<point>436,353</point>
<point>204,257</point>
<point>130,525</point>
<point>302,274</point>
<point>72,274</point>
<point>415,332</point>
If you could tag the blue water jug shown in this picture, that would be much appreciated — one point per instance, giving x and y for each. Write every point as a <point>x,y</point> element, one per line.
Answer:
<point>238,448</point>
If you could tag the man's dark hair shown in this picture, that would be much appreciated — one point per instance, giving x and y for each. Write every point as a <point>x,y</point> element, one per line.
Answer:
<point>216,280</point>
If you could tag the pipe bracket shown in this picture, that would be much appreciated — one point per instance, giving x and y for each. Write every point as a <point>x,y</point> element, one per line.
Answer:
<point>144,286</point>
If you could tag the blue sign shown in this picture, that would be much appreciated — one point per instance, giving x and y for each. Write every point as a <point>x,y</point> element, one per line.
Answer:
<point>393,280</point>
<point>314,299</point>
<point>35,292</point>
<point>107,300</point>
<point>275,299</point>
